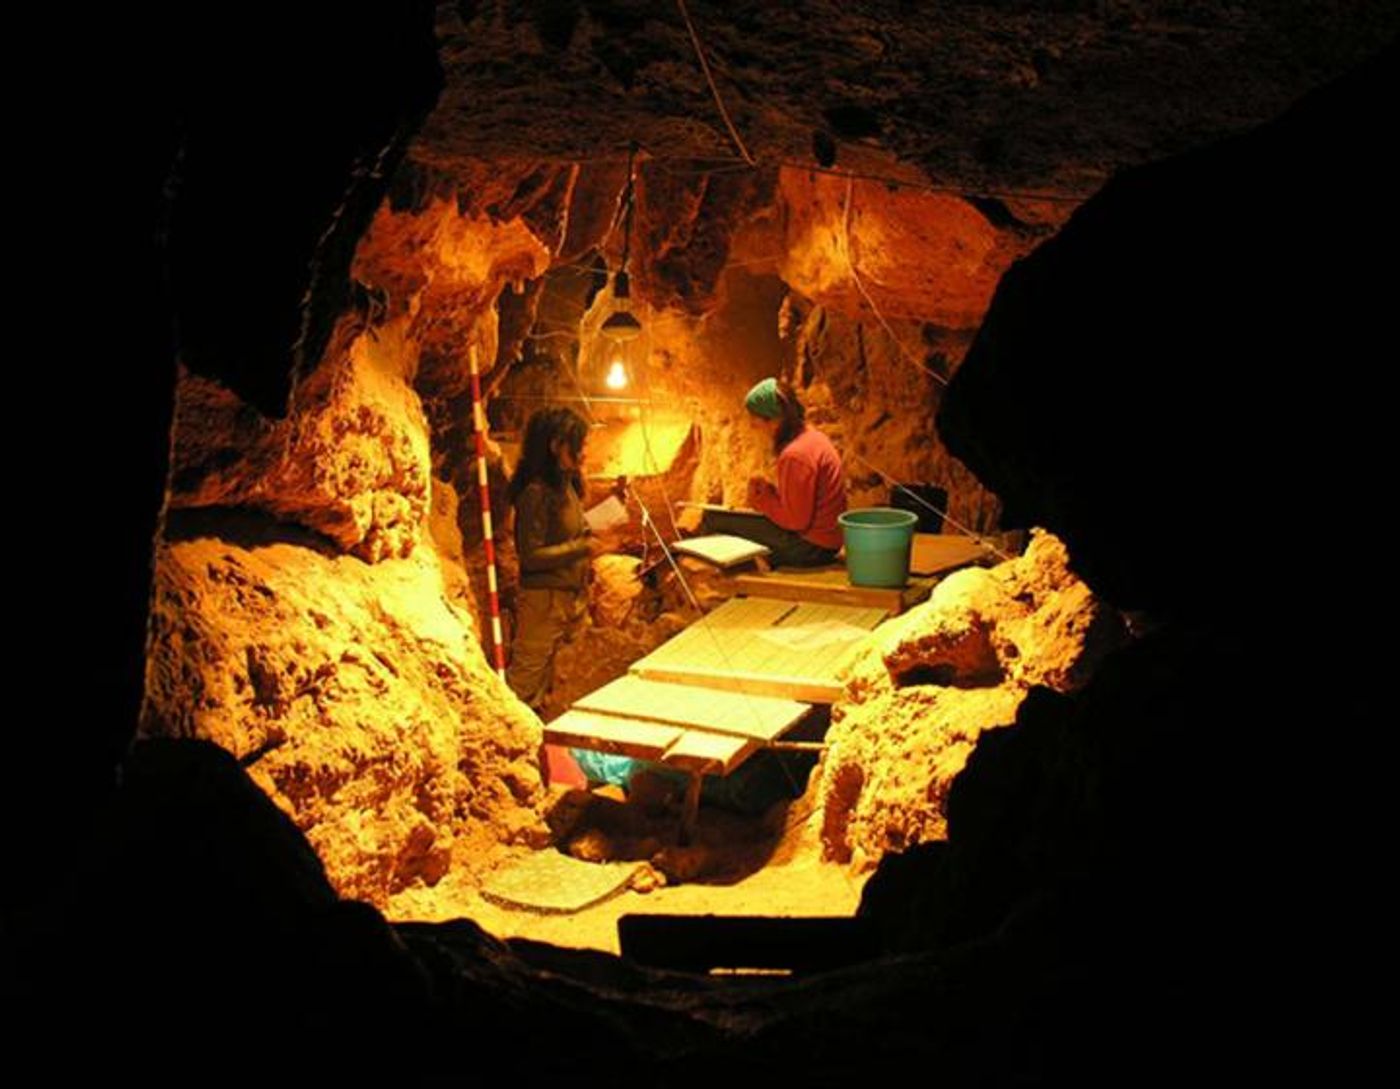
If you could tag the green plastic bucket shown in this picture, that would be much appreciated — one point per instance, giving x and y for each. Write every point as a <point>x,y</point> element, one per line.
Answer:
<point>878,541</point>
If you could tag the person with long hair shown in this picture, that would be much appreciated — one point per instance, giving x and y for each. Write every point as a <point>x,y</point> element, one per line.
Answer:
<point>554,546</point>
<point>801,508</point>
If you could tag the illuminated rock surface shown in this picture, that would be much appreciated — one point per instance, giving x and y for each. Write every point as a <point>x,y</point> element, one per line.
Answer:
<point>932,680</point>
<point>359,699</point>
<point>351,461</point>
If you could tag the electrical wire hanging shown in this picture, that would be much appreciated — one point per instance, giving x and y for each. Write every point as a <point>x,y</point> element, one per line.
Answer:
<point>943,514</point>
<point>860,285</point>
<point>710,79</point>
<point>730,164</point>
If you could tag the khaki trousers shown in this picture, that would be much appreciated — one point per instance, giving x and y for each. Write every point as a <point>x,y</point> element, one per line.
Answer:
<point>543,620</point>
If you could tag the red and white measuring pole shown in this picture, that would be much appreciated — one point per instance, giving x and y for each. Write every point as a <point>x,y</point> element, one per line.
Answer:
<point>484,485</point>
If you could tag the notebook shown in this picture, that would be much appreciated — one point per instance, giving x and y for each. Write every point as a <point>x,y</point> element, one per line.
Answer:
<point>722,549</point>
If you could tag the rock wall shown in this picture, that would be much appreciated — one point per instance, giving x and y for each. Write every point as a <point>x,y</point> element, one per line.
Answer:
<point>930,682</point>
<point>350,461</point>
<point>312,616</point>
<point>864,297</point>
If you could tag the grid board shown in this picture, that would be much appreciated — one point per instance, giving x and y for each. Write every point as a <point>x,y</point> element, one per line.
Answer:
<point>767,647</point>
<point>760,717</point>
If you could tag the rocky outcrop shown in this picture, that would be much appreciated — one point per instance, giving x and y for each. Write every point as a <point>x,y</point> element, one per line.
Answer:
<point>930,682</point>
<point>358,697</point>
<point>933,257</point>
<point>350,461</point>
<point>442,268</point>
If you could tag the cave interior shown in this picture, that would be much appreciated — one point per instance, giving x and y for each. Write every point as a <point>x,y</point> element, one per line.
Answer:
<point>1112,276</point>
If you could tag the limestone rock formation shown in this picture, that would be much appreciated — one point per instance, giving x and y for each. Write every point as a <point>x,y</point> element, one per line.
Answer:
<point>930,682</point>
<point>734,280</point>
<point>350,461</point>
<point>358,697</point>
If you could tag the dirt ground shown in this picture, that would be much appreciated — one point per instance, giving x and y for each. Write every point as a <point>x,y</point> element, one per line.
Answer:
<point>794,882</point>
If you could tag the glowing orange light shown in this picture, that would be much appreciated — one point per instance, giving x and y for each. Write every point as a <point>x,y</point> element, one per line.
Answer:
<point>617,375</point>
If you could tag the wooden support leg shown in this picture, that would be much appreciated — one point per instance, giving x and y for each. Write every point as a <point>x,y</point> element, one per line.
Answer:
<point>690,809</point>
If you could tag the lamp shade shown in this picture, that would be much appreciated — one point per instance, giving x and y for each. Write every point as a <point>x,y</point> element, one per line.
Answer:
<point>621,325</point>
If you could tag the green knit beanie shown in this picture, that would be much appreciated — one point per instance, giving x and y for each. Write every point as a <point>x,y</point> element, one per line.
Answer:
<point>763,400</point>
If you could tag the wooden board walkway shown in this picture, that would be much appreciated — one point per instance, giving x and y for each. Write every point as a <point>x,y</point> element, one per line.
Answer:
<point>760,717</point>
<point>611,734</point>
<point>697,750</point>
<point>705,753</point>
<point>765,647</point>
<point>713,695</point>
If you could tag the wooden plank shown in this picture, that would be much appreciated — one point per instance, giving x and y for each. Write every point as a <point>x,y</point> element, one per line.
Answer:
<point>832,586</point>
<point>758,638</point>
<point>605,733</point>
<point>807,689</point>
<point>708,754</point>
<point>935,553</point>
<point>716,636</point>
<point>632,696</point>
<point>764,647</point>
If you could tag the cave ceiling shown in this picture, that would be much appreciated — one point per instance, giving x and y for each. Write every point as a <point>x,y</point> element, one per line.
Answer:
<point>1051,96</point>
<point>1011,113</point>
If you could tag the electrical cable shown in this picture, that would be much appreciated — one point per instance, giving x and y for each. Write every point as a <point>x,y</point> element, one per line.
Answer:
<point>705,67</point>
<point>855,276</point>
<point>894,483</point>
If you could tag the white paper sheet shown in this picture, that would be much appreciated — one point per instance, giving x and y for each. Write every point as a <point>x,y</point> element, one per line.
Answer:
<point>611,512</point>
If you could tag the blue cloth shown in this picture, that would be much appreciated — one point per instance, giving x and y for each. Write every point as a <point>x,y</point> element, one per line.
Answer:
<point>602,767</point>
<point>754,786</point>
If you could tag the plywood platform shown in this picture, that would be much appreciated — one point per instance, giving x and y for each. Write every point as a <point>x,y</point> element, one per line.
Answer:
<point>765,647</point>
<point>612,734</point>
<point>709,754</point>
<point>729,685</point>
<point>832,586</point>
<point>760,717</point>
<point>697,750</point>
<point>939,553</point>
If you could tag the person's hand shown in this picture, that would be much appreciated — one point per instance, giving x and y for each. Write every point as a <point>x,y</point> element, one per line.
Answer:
<point>757,486</point>
<point>600,544</point>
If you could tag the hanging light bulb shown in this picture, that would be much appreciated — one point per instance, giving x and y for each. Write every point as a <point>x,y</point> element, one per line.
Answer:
<point>615,360</point>
<point>621,325</point>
